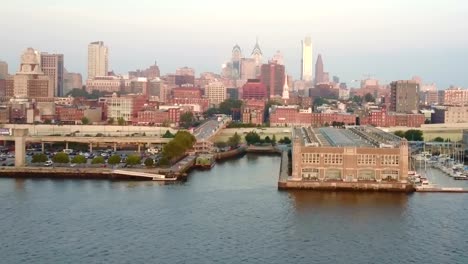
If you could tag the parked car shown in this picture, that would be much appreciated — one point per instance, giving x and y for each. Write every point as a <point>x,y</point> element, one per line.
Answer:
<point>48,163</point>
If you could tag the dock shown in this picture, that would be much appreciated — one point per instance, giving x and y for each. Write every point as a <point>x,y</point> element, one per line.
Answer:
<point>444,190</point>
<point>149,176</point>
<point>84,173</point>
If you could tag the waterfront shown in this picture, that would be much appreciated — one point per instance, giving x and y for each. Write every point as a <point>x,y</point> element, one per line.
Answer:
<point>230,214</point>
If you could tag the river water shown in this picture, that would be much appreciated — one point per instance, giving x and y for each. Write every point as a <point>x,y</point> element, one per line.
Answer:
<point>231,214</point>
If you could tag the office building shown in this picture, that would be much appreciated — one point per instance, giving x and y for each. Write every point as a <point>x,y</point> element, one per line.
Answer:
<point>236,62</point>
<point>98,59</point>
<point>53,66</point>
<point>3,70</point>
<point>254,89</point>
<point>404,96</point>
<point>216,93</point>
<point>307,63</point>
<point>272,76</point>
<point>319,73</point>
<point>30,81</point>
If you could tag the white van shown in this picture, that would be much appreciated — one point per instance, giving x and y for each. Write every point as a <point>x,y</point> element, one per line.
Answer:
<point>48,163</point>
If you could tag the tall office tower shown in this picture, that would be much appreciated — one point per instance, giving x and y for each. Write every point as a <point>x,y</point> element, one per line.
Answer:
<point>248,69</point>
<point>98,59</point>
<point>236,62</point>
<point>30,81</point>
<point>216,93</point>
<point>307,63</point>
<point>285,87</point>
<point>52,66</point>
<point>3,70</point>
<point>404,96</point>
<point>257,55</point>
<point>319,70</point>
<point>272,76</point>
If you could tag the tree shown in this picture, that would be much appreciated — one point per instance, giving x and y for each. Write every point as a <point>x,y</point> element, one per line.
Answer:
<point>168,134</point>
<point>414,135</point>
<point>234,141</point>
<point>252,137</point>
<point>77,92</point>
<point>114,160</point>
<point>133,160</point>
<point>47,121</point>
<point>228,105</point>
<point>221,144</point>
<point>121,121</point>
<point>273,140</point>
<point>210,112</point>
<point>318,101</point>
<point>79,159</point>
<point>177,147</point>
<point>357,99</point>
<point>267,140</point>
<point>39,158</point>
<point>149,162</point>
<point>61,157</point>
<point>111,121</point>
<point>164,161</point>
<point>98,160</point>
<point>84,120</point>
<point>285,140</point>
<point>399,133</point>
<point>438,139</point>
<point>186,119</point>
<point>369,97</point>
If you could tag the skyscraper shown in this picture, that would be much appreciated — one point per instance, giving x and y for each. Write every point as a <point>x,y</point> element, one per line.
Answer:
<point>52,66</point>
<point>236,65</point>
<point>285,87</point>
<point>319,78</point>
<point>257,55</point>
<point>3,70</point>
<point>98,59</point>
<point>306,69</point>
<point>272,77</point>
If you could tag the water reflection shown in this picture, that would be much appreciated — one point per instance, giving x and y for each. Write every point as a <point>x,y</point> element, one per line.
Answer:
<point>310,200</point>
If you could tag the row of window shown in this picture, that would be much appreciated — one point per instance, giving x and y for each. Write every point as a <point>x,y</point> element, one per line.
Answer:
<point>362,159</point>
<point>363,175</point>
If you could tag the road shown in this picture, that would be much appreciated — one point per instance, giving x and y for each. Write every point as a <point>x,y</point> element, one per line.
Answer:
<point>208,129</point>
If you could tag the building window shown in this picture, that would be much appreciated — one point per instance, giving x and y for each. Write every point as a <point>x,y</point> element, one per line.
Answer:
<point>366,175</point>
<point>335,159</point>
<point>333,175</point>
<point>390,160</point>
<point>310,158</point>
<point>389,175</point>
<point>310,174</point>
<point>367,159</point>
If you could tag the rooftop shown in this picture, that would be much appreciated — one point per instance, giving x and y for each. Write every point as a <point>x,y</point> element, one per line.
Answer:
<point>351,136</point>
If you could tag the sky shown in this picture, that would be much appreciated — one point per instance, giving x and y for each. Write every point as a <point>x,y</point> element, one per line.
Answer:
<point>386,39</point>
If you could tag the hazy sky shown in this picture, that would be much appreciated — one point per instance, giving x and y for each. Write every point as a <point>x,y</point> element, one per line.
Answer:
<point>390,39</point>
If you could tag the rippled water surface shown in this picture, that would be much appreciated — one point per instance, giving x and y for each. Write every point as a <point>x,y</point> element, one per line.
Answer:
<point>231,214</point>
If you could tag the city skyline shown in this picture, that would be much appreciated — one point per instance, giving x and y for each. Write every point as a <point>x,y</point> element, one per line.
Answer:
<point>386,48</point>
